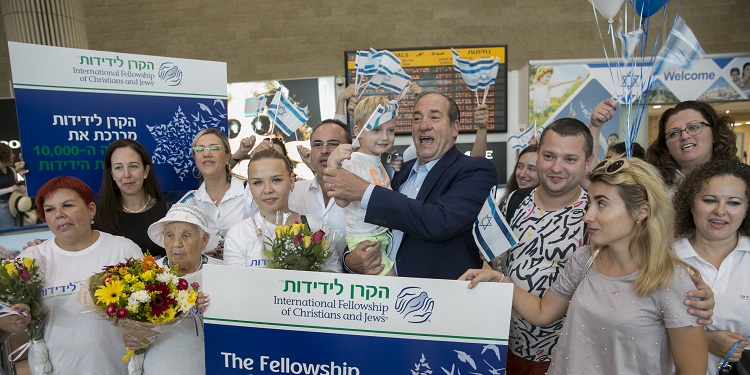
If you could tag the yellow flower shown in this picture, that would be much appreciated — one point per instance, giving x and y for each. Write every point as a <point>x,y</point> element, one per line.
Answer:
<point>296,228</point>
<point>279,230</point>
<point>128,278</point>
<point>10,269</point>
<point>306,241</point>
<point>123,271</point>
<point>138,286</point>
<point>147,276</point>
<point>109,293</point>
<point>28,263</point>
<point>192,297</point>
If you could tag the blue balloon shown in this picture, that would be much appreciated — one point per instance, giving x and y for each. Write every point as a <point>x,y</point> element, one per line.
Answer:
<point>646,8</point>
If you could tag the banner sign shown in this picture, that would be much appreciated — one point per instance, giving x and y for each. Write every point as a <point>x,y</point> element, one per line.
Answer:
<point>432,69</point>
<point>560,89</point>
<point>265,321</point>
<point>72,103</point>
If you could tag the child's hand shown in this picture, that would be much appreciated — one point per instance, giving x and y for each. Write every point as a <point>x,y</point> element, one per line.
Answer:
<point>341,153</point>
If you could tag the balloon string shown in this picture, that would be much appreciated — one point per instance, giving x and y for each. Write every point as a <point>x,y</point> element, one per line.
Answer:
<point>606,55</point>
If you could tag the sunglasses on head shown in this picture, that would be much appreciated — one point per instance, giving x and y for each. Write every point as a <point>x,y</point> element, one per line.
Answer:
<point>613,166</point>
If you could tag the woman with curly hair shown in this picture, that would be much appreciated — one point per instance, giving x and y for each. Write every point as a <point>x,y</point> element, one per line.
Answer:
<point>712,218</point>
<point>690,135</point>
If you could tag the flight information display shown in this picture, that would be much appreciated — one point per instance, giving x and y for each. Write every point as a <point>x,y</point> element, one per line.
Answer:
<point>432,69</point>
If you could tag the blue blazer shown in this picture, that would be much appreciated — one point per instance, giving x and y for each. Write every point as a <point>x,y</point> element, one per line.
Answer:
<point>437,224</point>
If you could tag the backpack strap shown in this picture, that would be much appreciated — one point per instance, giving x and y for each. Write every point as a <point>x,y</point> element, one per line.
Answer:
<point>514,201</point>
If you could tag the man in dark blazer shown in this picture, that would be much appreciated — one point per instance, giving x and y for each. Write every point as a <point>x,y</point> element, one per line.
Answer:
<point>433,204</point>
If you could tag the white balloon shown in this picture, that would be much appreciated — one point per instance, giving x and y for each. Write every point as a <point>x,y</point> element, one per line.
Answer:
<point>607,8</point>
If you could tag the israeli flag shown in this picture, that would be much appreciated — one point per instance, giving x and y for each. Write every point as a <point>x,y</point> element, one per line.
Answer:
<point>284,114</point>
<point>522,140</point>
<point>254,107</point>
<point>479,73</point>
<point>381,115</point>
<point>394,81</point>
<point>629,41</point>
<point>491,232</point>
<point>680,51</point>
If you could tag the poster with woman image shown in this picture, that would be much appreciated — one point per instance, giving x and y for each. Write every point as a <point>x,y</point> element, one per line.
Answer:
<point>550,86</point>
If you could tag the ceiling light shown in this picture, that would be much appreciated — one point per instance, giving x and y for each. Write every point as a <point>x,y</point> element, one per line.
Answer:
<point>656,106</point>
<point>747,122</point>
<point>727,111</point>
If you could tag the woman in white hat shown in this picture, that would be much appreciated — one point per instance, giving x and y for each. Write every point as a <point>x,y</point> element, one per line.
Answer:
<point>184,234</point>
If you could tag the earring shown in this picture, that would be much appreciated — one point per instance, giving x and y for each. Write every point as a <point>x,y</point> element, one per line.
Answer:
<point>638,222</point>
<point>195,167</point>
<point>92,221</point>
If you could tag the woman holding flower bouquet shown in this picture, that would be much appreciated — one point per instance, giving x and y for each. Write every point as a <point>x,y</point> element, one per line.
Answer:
<point>184,233</point>
<point>253,241</point>
<point>76,343</point>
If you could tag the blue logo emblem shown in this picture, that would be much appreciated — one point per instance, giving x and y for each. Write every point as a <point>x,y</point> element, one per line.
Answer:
<point>414,304</point>
<point>170,74</point>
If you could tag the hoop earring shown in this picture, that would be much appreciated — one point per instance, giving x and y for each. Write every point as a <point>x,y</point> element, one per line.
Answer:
<point>199,175</point>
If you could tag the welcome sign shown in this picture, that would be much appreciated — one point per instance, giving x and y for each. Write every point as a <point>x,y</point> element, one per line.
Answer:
<point>264,321</point>
<point>72,103</point>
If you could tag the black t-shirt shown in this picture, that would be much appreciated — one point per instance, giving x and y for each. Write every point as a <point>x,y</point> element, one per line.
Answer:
<point>135,227</point>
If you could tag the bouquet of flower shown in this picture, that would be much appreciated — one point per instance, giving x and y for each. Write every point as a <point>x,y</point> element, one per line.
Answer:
<point>21,281</point>
<point>297,248</point>
<point>139,298</point>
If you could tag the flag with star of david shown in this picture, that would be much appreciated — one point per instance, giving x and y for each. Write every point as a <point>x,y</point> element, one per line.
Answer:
<point>285,115</point>
<point>479,73</point>
<point>491,232</point>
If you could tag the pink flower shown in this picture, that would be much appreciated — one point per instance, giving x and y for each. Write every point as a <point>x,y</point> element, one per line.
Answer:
<point>298,239</point>
<point>111,309</point>
<point>24,274</point>
<point>318,236</point>
<point>182,284</point>
<point>106,279</point>
<point>195,285</point>
<point>122,313</point>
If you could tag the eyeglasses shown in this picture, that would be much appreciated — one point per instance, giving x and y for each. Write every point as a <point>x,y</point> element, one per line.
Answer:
<point>318,145</point>
<point>693,128</point>
<point>201,149</point>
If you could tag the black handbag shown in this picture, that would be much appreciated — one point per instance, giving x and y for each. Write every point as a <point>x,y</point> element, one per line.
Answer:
<point>741,367</point>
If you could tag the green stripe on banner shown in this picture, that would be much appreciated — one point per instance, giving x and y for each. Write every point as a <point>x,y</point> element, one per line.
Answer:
<point>121,90</point>
<point>361,330</point>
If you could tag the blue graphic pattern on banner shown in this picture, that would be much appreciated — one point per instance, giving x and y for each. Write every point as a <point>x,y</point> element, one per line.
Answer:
<point>250,350</point>
<point>71,131</point>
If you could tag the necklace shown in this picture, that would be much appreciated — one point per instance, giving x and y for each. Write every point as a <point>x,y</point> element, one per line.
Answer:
<point>148,200</point>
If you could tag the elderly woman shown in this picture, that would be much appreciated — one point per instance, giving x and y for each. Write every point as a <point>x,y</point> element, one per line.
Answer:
<point>184,233</point>
<point>221,196</point>
<point>77,344</point>
<point>713,219</point>
<point>130,199</point>
<point>690,135</point>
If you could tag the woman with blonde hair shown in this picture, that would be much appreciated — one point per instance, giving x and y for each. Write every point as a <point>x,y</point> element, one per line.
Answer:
<point>623,292</point>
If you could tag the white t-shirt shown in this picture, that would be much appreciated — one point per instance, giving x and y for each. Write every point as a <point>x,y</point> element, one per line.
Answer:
<point>370,169</point>
<point>227,213</point>
<point>245,243</point>
<point>731,286</point>
<point>307,199</point>
<point>79,341</point>
<point>179,350</point>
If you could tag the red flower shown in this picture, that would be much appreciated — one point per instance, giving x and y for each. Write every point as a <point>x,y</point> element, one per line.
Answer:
<point>298,239</point>
<point>122,313</point>
<point>106,279</point>
<point>195,285</point>
<point>24,274</point>
<point>318,236</point>
<point>160,299</point>
<point>111,309</point>
<point>182,284</point>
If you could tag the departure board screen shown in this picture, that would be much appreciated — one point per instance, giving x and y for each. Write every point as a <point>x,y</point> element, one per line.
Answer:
<point>432,69</point>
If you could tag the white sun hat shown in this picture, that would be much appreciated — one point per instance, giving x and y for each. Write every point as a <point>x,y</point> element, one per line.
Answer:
<point>184,213</point>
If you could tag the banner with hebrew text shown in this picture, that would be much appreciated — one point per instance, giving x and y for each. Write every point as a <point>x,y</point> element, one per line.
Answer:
<point>293,322</point>
<point>73,103</point>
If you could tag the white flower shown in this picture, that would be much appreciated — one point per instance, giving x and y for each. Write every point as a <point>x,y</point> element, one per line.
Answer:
<point>139,296</point>
<point>182,301</point>
<point>167,277</point>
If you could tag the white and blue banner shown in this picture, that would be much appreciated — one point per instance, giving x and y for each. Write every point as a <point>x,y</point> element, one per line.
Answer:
<point>264,321</point>
<point>73,103</point>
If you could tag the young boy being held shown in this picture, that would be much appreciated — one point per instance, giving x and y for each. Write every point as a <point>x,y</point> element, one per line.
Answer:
<point>366,164</point>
